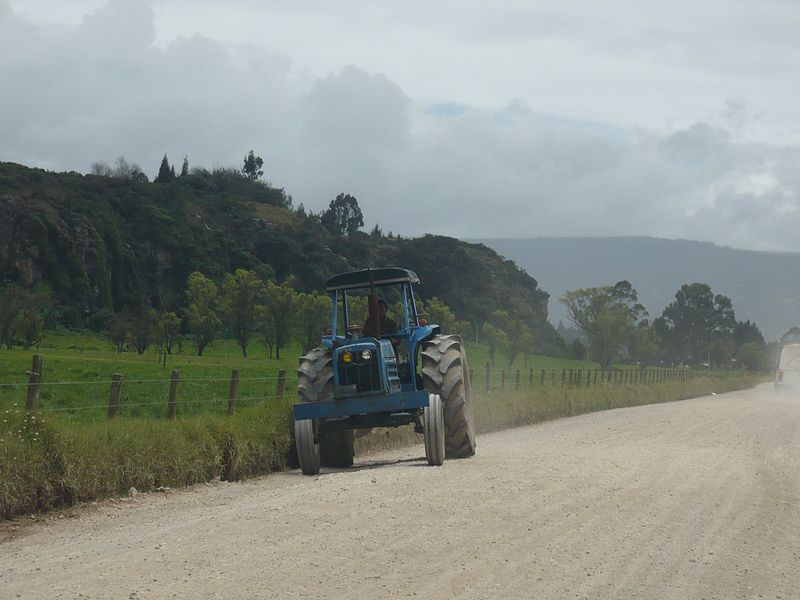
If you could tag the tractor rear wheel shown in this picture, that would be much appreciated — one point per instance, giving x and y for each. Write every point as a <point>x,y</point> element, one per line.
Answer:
<point>445,372</point>
<point>433,431</point>
<point>315,384</point>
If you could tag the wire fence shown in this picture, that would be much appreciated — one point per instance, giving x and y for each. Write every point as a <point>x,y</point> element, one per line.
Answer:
<point>175,391</point>
<point>490,379</point>
<point>142,396</point>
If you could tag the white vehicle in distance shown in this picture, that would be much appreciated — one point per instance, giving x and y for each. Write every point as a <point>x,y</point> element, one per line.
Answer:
<point>787,376</point>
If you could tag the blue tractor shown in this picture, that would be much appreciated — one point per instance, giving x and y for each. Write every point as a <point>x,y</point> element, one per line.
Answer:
<point>363,376</point>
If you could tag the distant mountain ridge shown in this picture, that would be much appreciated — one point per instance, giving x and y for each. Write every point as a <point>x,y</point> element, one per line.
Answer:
<point>764,286</point>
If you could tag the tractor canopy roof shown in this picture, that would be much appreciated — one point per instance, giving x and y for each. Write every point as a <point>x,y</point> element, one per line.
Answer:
<point>366,277</point>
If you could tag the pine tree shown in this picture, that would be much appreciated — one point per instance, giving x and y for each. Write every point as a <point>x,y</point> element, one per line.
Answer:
<point>165,172</point>
<point>185,167</point>
<point>252,166</point>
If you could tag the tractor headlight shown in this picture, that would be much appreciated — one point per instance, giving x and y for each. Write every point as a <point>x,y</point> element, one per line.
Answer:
<point>347,357</point>
<point>366,354</point>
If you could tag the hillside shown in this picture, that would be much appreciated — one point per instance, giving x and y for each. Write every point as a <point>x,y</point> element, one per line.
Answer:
<point>764,286</point>
<point>105,243</point>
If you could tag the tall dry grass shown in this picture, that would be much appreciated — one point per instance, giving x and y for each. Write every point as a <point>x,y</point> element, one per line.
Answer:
<point>45,464</point>
<point>497,409</point>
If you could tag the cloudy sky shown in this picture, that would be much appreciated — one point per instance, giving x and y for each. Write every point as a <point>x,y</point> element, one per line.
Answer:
<point>507,119</point>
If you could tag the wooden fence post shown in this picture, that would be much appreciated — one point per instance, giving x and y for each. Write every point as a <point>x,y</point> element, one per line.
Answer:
<point>488,375</point>
<point>34,379</point>
<point>530,378</point>
<point>553,377</point>
<point>563,376</point>
<point>233,390</point>
<point>502,380</point>
<point>281,384</point>
<point>516,381</point>
<point>544,375</point>
<point>113,397</point>
<point>173,394</point>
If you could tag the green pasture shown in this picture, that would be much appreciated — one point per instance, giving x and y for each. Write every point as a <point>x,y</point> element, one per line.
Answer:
<point>77,370</point>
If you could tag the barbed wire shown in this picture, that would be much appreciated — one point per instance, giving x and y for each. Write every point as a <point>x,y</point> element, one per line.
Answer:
<point>110,381</point>
<point>602,377</point>
<point>160,403</point>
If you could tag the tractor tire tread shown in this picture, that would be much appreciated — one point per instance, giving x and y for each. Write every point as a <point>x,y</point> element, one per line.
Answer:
<point>445,372</point>
<point>315,384</point>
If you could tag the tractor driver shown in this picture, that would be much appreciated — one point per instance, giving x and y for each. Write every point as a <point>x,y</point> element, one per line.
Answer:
<point>388,326</point>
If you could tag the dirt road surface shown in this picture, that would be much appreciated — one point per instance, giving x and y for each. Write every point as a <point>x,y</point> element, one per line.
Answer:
<point>693,499</point>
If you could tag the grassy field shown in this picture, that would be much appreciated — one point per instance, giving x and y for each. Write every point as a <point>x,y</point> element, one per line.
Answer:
<point>77,372</point>
<point>68,452</point>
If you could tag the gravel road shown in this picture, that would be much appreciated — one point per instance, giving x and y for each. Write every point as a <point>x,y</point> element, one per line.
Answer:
<point>693,499</point>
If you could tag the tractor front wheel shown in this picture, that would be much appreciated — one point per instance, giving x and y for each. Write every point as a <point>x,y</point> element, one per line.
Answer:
<point>433,430</point>
<point>305,437</point>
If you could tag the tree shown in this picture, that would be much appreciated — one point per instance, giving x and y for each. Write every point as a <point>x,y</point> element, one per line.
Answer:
<point>695,320</point>
<point>745,332</point>
<point>439,313</point>
<point>607,315</point>
<point>202,313</point>
<point>169,328</point>
<point>515,337</point>
<point>645,344</point>
<point>101,169</point>
<point>252,166</point>
<point>185,167</point>
<point>126,170</point>
<point>118,330</point>
<point>343,215</point>
<point>11,304</point>
<point>753,356</point>
<point>494,338</point>
<point>23,313</point>
<point>143,324</point>
<point>166,173</point>
<point>242,305</point>
<point>577,350</point>
<point>280,304</point>
<point>312,314</point>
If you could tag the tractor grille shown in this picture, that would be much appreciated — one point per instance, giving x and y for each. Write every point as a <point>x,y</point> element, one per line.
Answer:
<point>365,376</point>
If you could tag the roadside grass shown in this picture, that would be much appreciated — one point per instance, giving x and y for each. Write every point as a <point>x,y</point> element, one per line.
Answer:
<point>496,410</point>
<point>48,463</point>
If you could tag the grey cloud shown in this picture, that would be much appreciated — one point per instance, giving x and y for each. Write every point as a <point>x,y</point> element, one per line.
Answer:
<point>104,88</point>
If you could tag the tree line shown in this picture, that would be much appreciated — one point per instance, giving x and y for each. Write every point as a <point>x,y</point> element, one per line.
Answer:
<point>697,328</point>
<point>246,308</point>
